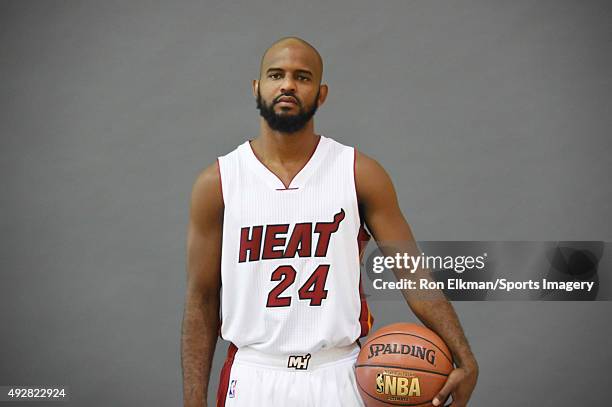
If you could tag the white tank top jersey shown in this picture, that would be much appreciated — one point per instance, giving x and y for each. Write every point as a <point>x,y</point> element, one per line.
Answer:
<point>290,259</point>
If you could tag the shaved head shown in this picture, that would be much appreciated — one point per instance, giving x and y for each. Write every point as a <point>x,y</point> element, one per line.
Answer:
<point>290,69</point>
<point>312,56</point>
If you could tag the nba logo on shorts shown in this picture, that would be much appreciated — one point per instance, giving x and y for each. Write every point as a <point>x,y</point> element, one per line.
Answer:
<point>232,389</point>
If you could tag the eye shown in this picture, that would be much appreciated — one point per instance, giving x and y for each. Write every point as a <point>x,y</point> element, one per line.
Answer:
<point>274,76</point>
<point>304,78</point>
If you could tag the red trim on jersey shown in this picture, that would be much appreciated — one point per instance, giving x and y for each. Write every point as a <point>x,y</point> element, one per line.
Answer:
<point>221,188</point>
<point>225,375</point>
<point>366,320</point>
<point>220,180</point>
<point>355,178</point>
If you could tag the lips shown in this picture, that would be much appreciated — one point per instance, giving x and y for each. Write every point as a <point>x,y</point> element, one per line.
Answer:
<point>288,100</point>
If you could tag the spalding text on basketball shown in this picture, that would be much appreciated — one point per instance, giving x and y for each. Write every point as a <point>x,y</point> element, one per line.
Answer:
<point>420,352</point>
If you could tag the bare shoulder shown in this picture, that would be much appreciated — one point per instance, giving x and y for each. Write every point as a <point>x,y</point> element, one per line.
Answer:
<point>207,179</point>
<point>206,194</point>
<point>371,179</point>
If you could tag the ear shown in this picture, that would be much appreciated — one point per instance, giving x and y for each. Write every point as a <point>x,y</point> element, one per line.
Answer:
<point>323,90</point>
<point>255,87</point>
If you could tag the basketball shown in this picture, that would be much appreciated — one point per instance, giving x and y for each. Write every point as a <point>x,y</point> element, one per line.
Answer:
<point>402,364</point>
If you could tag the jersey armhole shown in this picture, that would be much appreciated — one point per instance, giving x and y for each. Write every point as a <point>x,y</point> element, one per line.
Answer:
<point>220,180</point>
<point>355,183</point>
<point>361,220</point>
<point>363,236</point>
<point>366,320</point>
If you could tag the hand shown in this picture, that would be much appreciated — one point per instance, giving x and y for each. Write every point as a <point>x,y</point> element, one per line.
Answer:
<point>460,383</point>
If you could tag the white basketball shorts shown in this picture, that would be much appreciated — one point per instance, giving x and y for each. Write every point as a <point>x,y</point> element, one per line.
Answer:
<point>324,379</point>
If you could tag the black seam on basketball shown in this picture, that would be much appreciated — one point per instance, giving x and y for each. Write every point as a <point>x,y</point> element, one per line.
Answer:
<point>391,402</point>
<point>403,368</point>
<point>416,336</point>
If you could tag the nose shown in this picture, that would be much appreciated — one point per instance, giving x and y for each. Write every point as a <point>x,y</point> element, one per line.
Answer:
<point>288,85</point>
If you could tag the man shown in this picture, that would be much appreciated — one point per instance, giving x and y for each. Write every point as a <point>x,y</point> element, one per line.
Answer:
<point>273,245</point>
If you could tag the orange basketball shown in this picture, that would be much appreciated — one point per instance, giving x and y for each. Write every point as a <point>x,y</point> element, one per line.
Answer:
<point>402,365</point>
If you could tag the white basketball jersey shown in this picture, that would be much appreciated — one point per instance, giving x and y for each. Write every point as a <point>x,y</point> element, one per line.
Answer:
<point>290,256</point>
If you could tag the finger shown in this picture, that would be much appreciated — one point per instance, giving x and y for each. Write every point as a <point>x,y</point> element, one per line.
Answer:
<point>448,387</point>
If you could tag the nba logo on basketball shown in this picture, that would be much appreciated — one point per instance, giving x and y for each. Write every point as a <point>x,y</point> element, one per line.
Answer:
<point>232,389</point>
<point>398,385</point>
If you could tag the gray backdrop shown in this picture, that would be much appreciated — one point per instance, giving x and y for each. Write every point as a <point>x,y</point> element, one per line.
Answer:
<point>492,117</point>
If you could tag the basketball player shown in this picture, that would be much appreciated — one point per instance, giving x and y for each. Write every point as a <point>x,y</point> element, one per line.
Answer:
<point>273,247</point>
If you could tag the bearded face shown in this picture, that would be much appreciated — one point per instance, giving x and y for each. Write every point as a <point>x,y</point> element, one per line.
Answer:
<point>287,120</point>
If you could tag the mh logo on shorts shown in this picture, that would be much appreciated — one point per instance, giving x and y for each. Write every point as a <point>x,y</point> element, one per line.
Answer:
<point>298,362</point>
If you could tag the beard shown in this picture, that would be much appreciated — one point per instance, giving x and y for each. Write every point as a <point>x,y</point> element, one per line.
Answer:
<point>286,123</point>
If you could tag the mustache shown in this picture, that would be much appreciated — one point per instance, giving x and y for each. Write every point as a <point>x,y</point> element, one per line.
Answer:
<point>288,95</point>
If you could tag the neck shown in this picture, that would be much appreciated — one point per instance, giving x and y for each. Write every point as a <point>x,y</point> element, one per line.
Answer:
<point>274,146</point>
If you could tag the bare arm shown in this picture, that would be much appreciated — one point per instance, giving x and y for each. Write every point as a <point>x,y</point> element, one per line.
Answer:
<point>386,222</point>
<point>201,315</point>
